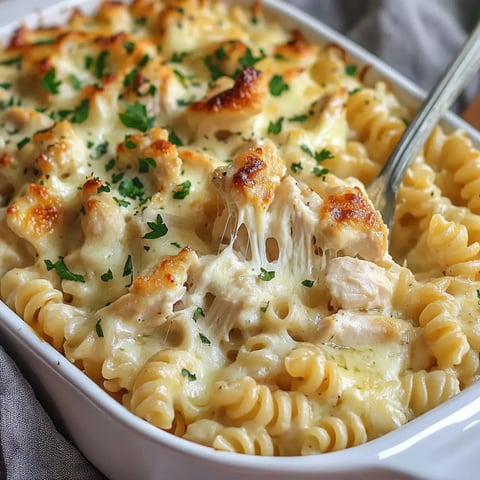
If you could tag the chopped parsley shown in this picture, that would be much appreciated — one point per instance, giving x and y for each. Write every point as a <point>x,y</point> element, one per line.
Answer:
<point>128,46</point>
<point>62,270</point>
<point>351,70</point>
<point>101,64</point>
<point>175,139</point>
<point>23,142</point>
<point>320,172</point>
<point>182,190</point>
<point>298,118</point>
<point>353,91</point>
<point>98,328</point>
<point>107,276</point>
<point>50,83</point>
<point>319,156</point>
<point>198,313</point>
<point>191,376</point>
<point>88,62</point>
<point>296,167</point>
<point>145,163</point>
<point>76,84</point>
<point>478,296</point>
<point>265,275</point>
<point>130,144</point>
<point>80,113</point>
<point>264,308</point>
<point>157,229</point>
<point>135,116</point>
<point>204,339</point>
<point>277,85</point>
<point>103,188</point>
<point>100,150</point>
<point>128,267</point>
<point>249,60</point>
<point>5,85</point>
<point>178,57</point>
<point>275,127</point>
<point>110,164</point>
<point>308,283</point>
<point>121,202</point>
<point>131,188</point>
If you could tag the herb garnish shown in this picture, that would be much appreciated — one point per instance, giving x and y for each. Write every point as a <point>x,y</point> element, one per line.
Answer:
<point>277,86</point>
<point>308,283</point>
<point>107,276</point>
<point>351,70</point>
<point>62,270</point>
<point>265,275</point>
<point>296,167</point>
<point>98,328</point>
<point>275,127</point>
<point>80,114</point>
<point>101,64</point>
<point>158,229</point>
<point>145,163</point>
<point>182,190</point>
<point>204,339</point>
<point>23,142</point>
<point>175,139</point>
<point>50,83</point>
<point>198,313</point>
<point>191,376</point>
<point>135,116</point>
<point>131,187</point>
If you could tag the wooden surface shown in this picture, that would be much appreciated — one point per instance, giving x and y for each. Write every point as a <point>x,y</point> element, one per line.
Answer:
<point>472,112</point>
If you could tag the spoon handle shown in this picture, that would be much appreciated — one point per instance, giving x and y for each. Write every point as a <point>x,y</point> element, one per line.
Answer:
<point>383,189</point>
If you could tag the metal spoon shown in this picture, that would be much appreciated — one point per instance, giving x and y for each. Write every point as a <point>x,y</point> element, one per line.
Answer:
<point>383,189</point>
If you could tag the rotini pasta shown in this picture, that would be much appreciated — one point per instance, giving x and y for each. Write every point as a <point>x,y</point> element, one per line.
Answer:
<point>185,218</point>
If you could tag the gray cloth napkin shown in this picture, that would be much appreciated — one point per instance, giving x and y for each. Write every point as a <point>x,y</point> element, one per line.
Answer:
<point>417,38</point>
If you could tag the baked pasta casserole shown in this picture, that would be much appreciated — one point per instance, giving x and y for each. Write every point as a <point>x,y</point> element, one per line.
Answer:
<point>183,215</point>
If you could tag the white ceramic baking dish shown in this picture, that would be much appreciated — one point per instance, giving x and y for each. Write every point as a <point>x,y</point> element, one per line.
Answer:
<point>441,444</point>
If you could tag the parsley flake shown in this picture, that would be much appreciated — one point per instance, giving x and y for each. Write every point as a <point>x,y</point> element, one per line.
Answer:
<point>275,127</point>
<point>145,163</point>
<point>50,83</point>
<point>101,64</point>
<point>191,376</point>
<point>198,313</point>
<point>182,190</point>
<point>319,156</point>
<point>320,172</point>
<point>131,188</point>
<point>264,308</point>
<point>107,276</point>
<point>23,142</point>
<point>128,46</point>
<point>277,85</point>
<point>135,116</point>
<point>62,270</point>
<point>298,118</point>
<point>98,328</point>
<point>175,139</point>
<point>128,267</point>
<point>308,283</point>
<point>265,275</point>
<point>80,114</point>
<point>296,167</point>
<point>351,70</point>
<point>76,84</point>
<point>158,229</point>
<point>204,339</point>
